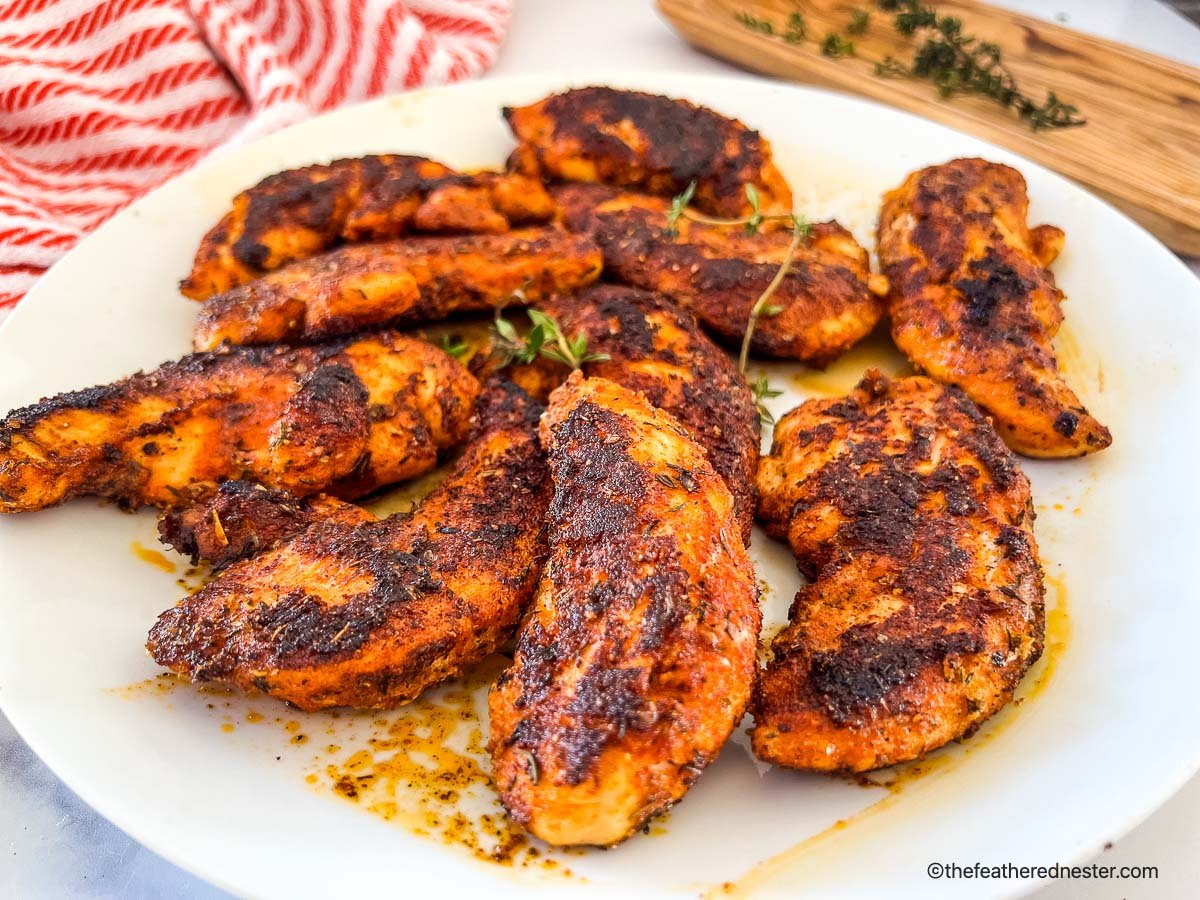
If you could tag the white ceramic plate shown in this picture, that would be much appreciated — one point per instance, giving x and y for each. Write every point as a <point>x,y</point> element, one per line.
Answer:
<point>1107,730</point>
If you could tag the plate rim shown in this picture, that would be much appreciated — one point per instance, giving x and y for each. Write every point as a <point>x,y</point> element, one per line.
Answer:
<point>675,84</point>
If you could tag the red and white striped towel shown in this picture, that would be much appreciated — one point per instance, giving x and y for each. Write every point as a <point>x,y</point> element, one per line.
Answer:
<point>101,100</point>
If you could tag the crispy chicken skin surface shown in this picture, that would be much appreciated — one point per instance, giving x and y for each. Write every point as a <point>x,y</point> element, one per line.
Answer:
<point>298,213</point>
<point>370,614</point>
<point>829,300</point>
<point>647,141</point>
<point>655,347</point>
<point>926,605</point>
<point>344,417</point>
<point>972,303</point>
<point>396,283</point>
<point>636,659</point>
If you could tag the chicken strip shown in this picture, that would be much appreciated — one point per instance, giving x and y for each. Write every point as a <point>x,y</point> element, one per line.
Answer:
<point>973,304</point>
<point>654,347</point>
<point>828,301</point>
<point>301,212</point>
<point>926,608</point>
<point>238,519</point>
<point>371,614</point>
<point>344,418</point>
<point>647,141</point>
<point>636,660</point>
<point>397,283</point>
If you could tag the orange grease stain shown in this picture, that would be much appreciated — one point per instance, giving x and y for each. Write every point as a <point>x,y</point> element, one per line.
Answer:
<point>153,557</point>
<point>423,768</point>
<point>898,778</point>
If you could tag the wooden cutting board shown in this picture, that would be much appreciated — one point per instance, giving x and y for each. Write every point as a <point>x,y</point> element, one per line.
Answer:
<point>1140,148</point>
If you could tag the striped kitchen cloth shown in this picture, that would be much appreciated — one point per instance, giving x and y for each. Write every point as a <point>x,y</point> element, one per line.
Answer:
<point>101,100</point>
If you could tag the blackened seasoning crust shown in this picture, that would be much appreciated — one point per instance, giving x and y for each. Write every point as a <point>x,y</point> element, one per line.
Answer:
<point>237,519</point>
<point>973,303</point>
<point>298,213</point>
<point>397,283</point>
<point>344,418</point>
<point>828,301</point>
<point>369,613</point>
<point>926,605</point>
<point>647,141</point>
<point>637,657</point>
<point>656,348</point>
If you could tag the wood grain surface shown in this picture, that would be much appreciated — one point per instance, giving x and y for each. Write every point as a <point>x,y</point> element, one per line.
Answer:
<point>1140,148</point>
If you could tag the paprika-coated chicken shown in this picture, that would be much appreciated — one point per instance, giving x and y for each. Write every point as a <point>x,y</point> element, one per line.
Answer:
<point>343,418</point>
<point>298,213</point>
<point>370,614</point>
<point>925,607</point>
<point>828,301</point>
<point>647,141</point>
<point>397,283</point>
<point>236,519</point>
<point>655,347</point>
<point>636,659</point>
<point>972,303</point>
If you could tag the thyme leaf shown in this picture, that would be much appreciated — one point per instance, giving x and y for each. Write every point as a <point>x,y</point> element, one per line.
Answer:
<point>505,329</point>
<point>454,345</point>
<point>835,46</point>
<point>761,389</point>
<point>755,219</point>
<point>796,29</point>
<point>678,205</point>
<point>755,24</point>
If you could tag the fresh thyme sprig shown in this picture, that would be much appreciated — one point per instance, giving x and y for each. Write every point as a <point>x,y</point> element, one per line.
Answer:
<point>545,338</point>
<point>957,63</point>
<point>751,223</point>
<point>762,391</point>
<point>801,229</point>
<point>953,62</point>
<point>571,352</point>
<point>678,207</point>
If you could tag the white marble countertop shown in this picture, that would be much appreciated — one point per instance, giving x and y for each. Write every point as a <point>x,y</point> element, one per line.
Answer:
<point>53,845</point>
